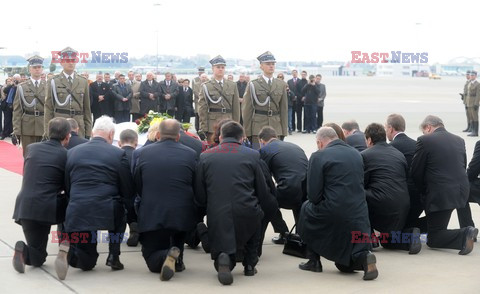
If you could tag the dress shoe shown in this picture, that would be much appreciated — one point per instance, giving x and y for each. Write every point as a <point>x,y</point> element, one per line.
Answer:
<point>18,257</point>
<point>370,267</point>
<point>113,261</point>
<point>313,265</point>
<point>415,244</point>
<point>279,240</point>
<point>202,232</point>
<point>168,268</point>
<point>61,262</point>
<point>470,234</point>
<point>249,271</point>
<point>2,137</point>
<point>290,132</point>
<point>179,265</point>
<point>224,272</point>
<point>299,131</point>
<point>344,269</point>
<point>304,132</point>
<point>134,235</point>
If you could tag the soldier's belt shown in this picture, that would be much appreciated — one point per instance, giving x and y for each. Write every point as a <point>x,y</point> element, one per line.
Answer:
<point>69,112</point>
<point>222,110</point>
<point>35,113</point>
<point>267,113</point>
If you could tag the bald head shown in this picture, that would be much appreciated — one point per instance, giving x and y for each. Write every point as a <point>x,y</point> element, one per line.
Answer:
<point>324,136</point>
<point>169,130</point>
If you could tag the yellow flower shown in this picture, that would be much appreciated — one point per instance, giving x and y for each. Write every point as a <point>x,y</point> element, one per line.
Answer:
<point>156,120</point>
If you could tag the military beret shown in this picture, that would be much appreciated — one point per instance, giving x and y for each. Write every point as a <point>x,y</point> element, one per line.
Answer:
<point>218,60</point>
<point>35,60</point>
<point>201,69</point>
<point>68,53</point>
<point>266,57</point>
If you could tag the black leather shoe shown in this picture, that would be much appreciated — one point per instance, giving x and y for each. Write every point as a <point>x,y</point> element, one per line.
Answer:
<point>168,268</point>
<point>113,261</point>
<point>470,235</point>
<point>2,137</point>
<point>312,265</point>
<point>18,258</point>
<point>249,271</point>
<point>134,235</point>
<point>370,267</point>
<point>224,272</point>
<point>304,132</point>
<point>279,240</point>
<point>415,244</point>
<point>202,232</point>
<point>179,265</point>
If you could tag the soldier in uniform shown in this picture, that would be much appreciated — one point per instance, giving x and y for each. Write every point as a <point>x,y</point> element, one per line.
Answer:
<point>68,95</point>
<point>464,100</point>
<point>473,99</point>
<point>28,106</point>
<point>218,100</point>
<point>196,87</point>
<point>265,102</point>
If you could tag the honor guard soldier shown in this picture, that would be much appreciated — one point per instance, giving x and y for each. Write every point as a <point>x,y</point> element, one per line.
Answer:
<point>473,100</point>
<point>265,102</point>
<point>68,94</point>
<point>464,100</point>
<point>218,100</point>
<point>28,106</point>
<point>196,87</point>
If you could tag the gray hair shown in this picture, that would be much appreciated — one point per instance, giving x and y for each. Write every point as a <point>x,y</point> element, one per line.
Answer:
<point>431,120</point>
<point>326,133</point>
<point>104,124</point>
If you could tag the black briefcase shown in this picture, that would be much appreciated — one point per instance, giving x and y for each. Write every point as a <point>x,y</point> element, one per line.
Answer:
<point>294,245</point>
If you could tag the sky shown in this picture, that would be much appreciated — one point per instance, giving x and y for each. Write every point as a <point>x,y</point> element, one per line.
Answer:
<point>295,30</point>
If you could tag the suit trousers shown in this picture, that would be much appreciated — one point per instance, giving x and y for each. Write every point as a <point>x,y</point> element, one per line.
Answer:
<point>465,216</point>
<point>298,110</point>
<point>469,119</point>
<point>319,116</point>
<point>7,122</point>
<point>310,117</point>
<point>36,234</point>
<point>83,253</point>
<point>251,251</point>
<point>473,114</point>
<point>439,236</point>
<point>122,116</point>
<point>396,245</point>
<point>155,246</point>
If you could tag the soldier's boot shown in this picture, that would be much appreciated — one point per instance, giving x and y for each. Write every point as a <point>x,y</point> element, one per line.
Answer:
<point>468,129</point>
<point>471,127</point>
<point>474,132</point>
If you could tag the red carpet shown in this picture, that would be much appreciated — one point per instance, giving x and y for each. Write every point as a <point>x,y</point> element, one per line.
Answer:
<point>11,158</point>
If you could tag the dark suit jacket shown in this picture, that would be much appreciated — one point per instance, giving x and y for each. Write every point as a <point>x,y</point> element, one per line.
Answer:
<point>172,90</point>
<point>288,165</point>
<point>98,179</point>
<point>146,104</point>
<point>241,86</point>
<point>98,108</point>
<point>129,152</point>
<point>473,171</point>
<point>172,174</point>
<point>336,204</point>
<point>438,170</point>
<point>194,144</point>
<point>185,101</point>
<point>357,140</point>
<point>386,187</point>
<point>293,88</point>
<point>43,180</point>
<point>118,95</point>
<point>75,140</point>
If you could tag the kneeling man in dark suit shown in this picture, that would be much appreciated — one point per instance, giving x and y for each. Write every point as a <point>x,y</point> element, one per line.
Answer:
<point>41,201</point>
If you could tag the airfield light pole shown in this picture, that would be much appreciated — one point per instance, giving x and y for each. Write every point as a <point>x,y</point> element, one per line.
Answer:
<point>156,71</point>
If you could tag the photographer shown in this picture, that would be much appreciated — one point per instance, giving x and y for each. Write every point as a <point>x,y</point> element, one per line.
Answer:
<point>310,94</point>
<point>7,106</point>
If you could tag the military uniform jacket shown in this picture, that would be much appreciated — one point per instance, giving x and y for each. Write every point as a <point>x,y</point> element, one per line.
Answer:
<point>215,104</point>
<point>259,110</point>
<point>465,92</point>
<point>28,109</point>
<point>78,108</point>
<point>473,94</point>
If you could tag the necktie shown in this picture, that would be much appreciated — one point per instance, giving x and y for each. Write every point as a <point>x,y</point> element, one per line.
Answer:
<point>150,83</point>
<point>221,84</point>
<point>269,82</point>
<point>185,89</point>
<point>70,79</point>
<point>36,84</point>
